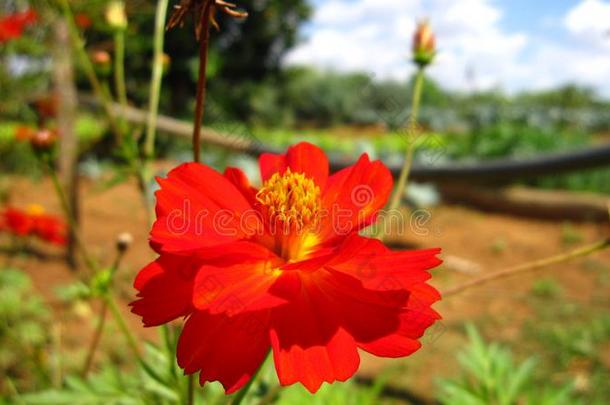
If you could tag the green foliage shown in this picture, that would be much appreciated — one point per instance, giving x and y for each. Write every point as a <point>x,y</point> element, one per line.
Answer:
<point>348,393</point>
<point>490,376</point>
<point>24,332</point>
<point>572,339</point>
<point>570,235</point>
<point>511,139</point>
<point>18,157</point>
<point>159,381</point>
<point>546,288</point>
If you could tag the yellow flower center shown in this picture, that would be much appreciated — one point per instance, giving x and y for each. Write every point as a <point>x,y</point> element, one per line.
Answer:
<point>35,210</point>
<point>292,201</point>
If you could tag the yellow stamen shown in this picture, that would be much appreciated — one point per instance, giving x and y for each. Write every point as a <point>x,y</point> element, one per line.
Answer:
<point>292,201</point>
<point>35,209</point>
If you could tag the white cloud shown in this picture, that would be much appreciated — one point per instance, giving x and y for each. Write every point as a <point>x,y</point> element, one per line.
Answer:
<point>474,50</point>
<point>376,36</point>
<point>590,22</point>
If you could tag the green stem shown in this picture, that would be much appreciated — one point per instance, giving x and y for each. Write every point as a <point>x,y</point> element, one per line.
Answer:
<point>411,135</point>
<point>119,72</point>
<point>69,217</point>
<point>97,336</point>
<point>99,330</point>
<point>87,65</point>
<point>157,76</point>
<point>241,394</point>
<point>145,170</point>
<point>190,394</point>
<point>131,340</point>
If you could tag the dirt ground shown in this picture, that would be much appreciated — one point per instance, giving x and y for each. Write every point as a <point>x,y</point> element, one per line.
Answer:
<point>473,243</point>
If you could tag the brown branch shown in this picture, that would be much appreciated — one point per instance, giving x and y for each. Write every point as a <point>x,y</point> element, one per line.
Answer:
<point>527,267</point>
<point>65,89</point>
<point>202,80</point>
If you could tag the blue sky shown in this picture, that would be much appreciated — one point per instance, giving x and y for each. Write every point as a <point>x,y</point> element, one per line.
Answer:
<point>513,45</point>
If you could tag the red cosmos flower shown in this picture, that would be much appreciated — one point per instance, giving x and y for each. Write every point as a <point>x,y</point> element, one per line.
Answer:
<point>12,26</point>
<point>18,222</point>
<point>50,229</point>
<point>282,268</point>
<point>34,221</point>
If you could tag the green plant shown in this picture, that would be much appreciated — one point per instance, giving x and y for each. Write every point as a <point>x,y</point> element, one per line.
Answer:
<point>570,235</point>
<point>546,288</point>
<point>158,381</point>
<point>24,333</point>
<point>490,376</point>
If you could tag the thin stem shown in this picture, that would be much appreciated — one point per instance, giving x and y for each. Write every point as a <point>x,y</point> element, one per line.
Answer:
<point>119,72</point>
<point>131,340</point>
<point>201,82</point>
<point>97,336</point>
<point>190,397</point>
<point>241,394</point>
<point>411,132</point>
<point>155,82</point>
<point>523,268</point>
<point>99,330</point>
<point>98,89</point>
<point>145,170</point>
<point>69,217</point>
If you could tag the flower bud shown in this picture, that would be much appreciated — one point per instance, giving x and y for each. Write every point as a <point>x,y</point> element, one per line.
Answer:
<point>43,140</point>
<point>115,15</point>
<point>83,21</point>
<point>424,44</point>
<point>46,106</point>
<point>123,241</point>
<point>102,62</point>
<point>166,62</point>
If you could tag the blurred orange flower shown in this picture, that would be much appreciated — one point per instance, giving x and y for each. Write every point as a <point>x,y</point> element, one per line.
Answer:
<point>33,221</point>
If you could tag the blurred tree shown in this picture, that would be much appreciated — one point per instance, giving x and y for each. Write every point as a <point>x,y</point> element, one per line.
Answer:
<point>567,96</point>
<point>243,54</point>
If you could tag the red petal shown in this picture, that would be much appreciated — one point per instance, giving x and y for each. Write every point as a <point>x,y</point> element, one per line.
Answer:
<point>354,196</point>
<point>392,346</point>
<point>381,269</point>
<point>19,222</point>
<point>335,359</point>
<point>414,320</point>
<point>300,158</point>
<point>234,288</point>
<point>241,182</point>
<point>198,207</point>
<point>225,349</point>
<point>313,337</point>
<point>50,229</point>
<point>165,289</point>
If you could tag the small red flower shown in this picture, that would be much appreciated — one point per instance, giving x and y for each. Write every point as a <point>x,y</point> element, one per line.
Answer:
<point>34,221</point>
<point>282,268</point>
<point>83,21</point>
<point>23,133</point>
<point>13,25</point>
<point>18,222</point>
<point>50,229</point>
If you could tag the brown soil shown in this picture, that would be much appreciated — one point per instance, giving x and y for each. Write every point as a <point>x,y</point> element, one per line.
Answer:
<point>491,241</point>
